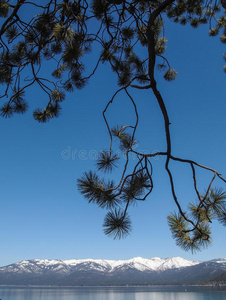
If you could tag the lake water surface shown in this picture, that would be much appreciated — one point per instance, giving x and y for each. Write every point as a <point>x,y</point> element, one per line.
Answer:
<point>112,293</point>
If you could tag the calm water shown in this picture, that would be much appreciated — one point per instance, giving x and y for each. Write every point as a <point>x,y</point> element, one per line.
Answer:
<point>113,293</point>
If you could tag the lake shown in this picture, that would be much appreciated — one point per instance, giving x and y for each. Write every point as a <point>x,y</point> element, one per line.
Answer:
<point>112,293</point>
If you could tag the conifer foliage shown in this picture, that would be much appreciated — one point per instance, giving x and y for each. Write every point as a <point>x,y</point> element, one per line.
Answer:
<point>60,34</point>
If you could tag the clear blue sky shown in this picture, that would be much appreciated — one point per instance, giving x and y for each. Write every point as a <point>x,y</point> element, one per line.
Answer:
<point>42,213</point>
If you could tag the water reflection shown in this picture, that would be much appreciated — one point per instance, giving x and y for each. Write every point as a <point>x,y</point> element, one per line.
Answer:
<point>123,293</point>
<point>168,296</point>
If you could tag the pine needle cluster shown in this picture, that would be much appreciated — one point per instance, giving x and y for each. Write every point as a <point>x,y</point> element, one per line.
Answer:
<point>133,187</point>
<point>60,31</point>
<point>192,230</point>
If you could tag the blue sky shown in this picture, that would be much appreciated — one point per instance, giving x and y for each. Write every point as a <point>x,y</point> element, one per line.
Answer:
<point>42,213</point>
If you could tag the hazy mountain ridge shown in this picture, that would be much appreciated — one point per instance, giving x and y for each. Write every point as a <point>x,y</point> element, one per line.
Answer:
<point>138,270</point>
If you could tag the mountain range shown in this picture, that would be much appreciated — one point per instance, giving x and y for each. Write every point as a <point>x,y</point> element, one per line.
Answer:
<point>135,271</point>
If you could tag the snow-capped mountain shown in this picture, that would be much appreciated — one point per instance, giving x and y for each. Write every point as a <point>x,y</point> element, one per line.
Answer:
<point>38,266</point>
<point>138,270</point>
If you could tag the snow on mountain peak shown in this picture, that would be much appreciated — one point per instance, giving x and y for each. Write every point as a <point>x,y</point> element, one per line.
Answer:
<point>157,263</point>
<point>177,262</point>
<point>101,265</point>
<point>139,263</point>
